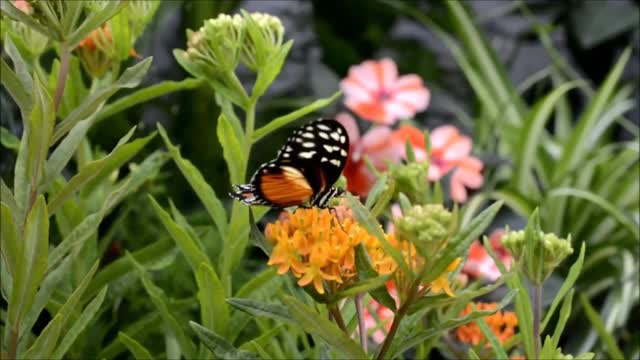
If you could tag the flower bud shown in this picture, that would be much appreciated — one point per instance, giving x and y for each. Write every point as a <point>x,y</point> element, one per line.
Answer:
<point>410,180</point>
<point>265,34</point>
<point>216,45</point>
<point>428,227</point>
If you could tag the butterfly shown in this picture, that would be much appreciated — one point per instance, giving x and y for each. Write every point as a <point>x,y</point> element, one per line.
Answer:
<point>304,170</point>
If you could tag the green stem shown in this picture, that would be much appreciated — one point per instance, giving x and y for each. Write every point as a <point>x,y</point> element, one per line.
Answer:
<point>13,343</point>
<point>362,329</point>
<point>62,75</point>
<point>396,323</point>
<point>537,310</point>
<point>337,316</point>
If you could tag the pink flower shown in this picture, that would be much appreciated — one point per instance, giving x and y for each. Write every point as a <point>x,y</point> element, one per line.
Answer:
<point>383,314</point>
<point>374,92</point>
<point>451,151</point>
<point>480,265</point>
<point>23,6</point>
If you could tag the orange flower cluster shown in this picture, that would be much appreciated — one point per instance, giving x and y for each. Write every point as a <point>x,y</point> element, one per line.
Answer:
<point>102,36</point>
<point>502,324</point>
<point>315,246</point>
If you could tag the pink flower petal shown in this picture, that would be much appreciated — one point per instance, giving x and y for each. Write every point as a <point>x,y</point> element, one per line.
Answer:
<point>375,139</point>
<point>365,75</point>
<point>470,178</point>
<point>458,191</point>
<point>399,110</point>
<point>457,150</point>
<point>441,136</point>
<point>350,125</point>
<point>418,99</point>
<point>355,91</point>
<point>388,73</point>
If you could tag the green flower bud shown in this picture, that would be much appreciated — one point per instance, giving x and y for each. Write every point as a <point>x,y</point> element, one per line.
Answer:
<point>411,180</point>
<point>547,253</point>
<point>216,45</point>
<point>265,34</point>
<point>428,227</point>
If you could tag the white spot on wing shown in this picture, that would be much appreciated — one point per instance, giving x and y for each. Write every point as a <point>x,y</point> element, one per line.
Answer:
<point>329,148</point>
<point>335,162</point>
<point>336,148</point>
<point>335,136</point>
<point>308,145</point>
<point>323,127</point>
<point>308,135</point>
<point>310,128</point>
<point>324,159</point>
<point>323,135</point>
<point>343,153</point>
<point>306,154</point>
<point>286,155</point>
<point>342,139</point>
<point>339,130</point>
<point>298,140</point>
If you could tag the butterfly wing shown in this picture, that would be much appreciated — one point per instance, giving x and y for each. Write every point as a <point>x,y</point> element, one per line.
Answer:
<point>310,162</point>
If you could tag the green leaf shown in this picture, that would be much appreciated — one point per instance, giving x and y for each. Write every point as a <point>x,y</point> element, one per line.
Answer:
<point>159,300</point>
<point>144,95</point>
<point>196,180</point>
<point>129,79</point>
<point>372,226</point>
<point>376,190</point>
<point>31,262</point>
<point>231,150</point>
<point>531,134</point>
<point>95,171</point>
<point>8,140</point>
<point>9,244</point>
<point>363,286</point>
<point>74,300</point>
<point>80,324</point>
<point>462,240</point>
<point>94,20</point>
<point>366,271</point>
<point>260,308</point>
<point>281,121</point>
<point>43,347</point>
<point>256,282</point>
<point>565,312</point>
<point>218,345</point>
<point>11,11</point>
<point>14,86</point>
<point>65,150</point>
<point>571,278</point>
<point>593,22</point>
<point>602,203</point>
<point>401,345</point>
<point>610,342</point>
<point>211,294</point>
<point>138,351</point>
<point>310,321</point>
<point>441,300</point>
<point>185,243</point>
<point>270,71</point>
<point>495,344</point>
<point>575,148</point>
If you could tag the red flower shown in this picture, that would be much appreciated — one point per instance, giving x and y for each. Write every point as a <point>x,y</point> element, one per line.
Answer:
<point>374,92</point>
<point>480,265</point>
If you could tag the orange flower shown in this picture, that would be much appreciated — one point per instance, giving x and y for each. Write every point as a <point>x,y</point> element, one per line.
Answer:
<point>502,324</point>
<point>479,264</point>
<point>100,36</point>
<point>315,246</point>
<point>374,91</point>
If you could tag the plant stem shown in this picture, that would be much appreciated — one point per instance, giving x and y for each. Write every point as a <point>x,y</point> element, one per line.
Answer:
<point>13,343</point>
<point>537,309</point>
<point>337,316</point>
<point>362,329</point>
<point>62,75</point>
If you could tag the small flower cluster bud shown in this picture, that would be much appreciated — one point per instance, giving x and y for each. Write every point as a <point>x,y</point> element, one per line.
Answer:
<point>410,179</point>
<point>428,227</point>
<point>216,45</point>
<point>263,43</point>
<point>547,253</point>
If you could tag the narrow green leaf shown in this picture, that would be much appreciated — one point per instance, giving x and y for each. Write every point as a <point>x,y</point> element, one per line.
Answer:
<point>22,73</point>
<point>491,337</point>
<point>202,189</point>
<point>256,283</point>
<point>129,79</point>
<point>608,339</point>
<point>232,150</point>
<point>65,150</point>
<point>376,190</point>
<point>372,226</point>
<point>401,345</point>
<point>310,321</point>
<point>270,71</point>
<point>466,295</point>
<point>218,345</point>
<point>138,351</point>
<point>531,134</point>
<point>281,121</point>
<point>95,171</point>
<point>260,308</point>
<point>463,239</point>
<point>602,203</point>
<point>159,300</point>
<point>80,324</point>
<point>363,286</point>
<point>74,300</point>
<point>366,271</point>
<point>571,278</point>
<point>8,140</point>
<point>11,11</point>
<point>94,20</point>
<point>31,262</point>
<point>575,148</point>
<point>565,312</point>
<point>14,86</point>
<point>44,345</point>
<point>146,94</point>
<point>211,294</point>
<point>185,243</point>
<point>9,244</point>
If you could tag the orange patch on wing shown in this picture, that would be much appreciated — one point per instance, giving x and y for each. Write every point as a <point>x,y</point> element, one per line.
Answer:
<point>287,188</point>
